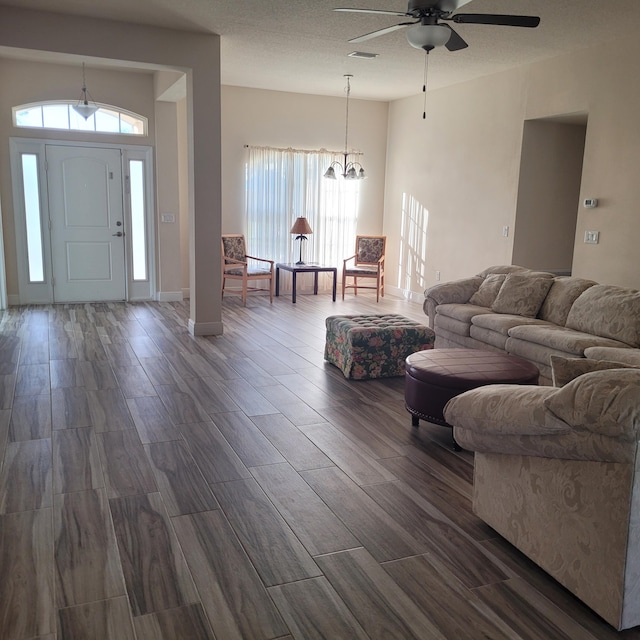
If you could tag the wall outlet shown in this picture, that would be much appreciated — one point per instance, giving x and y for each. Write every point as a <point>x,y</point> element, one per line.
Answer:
<point>591,237</point>
<point>438,276</point>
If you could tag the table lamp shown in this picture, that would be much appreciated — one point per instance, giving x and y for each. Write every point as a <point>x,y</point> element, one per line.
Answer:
<point>301,227</point>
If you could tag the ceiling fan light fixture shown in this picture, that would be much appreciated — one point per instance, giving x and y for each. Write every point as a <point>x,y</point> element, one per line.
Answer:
<point>428,36</point>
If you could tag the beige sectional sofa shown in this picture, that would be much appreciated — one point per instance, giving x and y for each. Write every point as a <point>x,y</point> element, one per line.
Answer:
<point>557,473</point>
<point>535,315</point>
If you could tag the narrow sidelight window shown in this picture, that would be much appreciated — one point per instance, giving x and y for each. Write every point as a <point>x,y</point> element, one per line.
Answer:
<point>31,192</point>
<point>138,228</point>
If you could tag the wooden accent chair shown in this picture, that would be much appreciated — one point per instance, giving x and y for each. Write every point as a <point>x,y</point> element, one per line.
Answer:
<point>368,262</point>
<point>236,266</point>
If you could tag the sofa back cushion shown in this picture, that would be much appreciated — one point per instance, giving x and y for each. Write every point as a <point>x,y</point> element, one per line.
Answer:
<point>563,293</point>
<point>604,402</point>
<point>488,290</point>
<point>521,295</point>
<point>608,311</point>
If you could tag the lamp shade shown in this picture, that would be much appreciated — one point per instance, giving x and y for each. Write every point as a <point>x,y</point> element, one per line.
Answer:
<point>428,36</point>
<point>301,226</point>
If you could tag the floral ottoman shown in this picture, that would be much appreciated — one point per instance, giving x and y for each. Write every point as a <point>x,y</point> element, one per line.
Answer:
<point>374,346</point>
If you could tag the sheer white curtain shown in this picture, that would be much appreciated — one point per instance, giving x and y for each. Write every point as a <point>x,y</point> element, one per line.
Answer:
<point>282,184</point>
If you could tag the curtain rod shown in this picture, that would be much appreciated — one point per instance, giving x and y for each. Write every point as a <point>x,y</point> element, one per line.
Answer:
<point>323,150</point>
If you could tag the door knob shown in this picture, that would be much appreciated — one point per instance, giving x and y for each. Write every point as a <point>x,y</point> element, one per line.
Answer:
<point>118,235</point>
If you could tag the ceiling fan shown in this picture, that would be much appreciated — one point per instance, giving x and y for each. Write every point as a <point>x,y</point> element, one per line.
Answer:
<point>427,32</point>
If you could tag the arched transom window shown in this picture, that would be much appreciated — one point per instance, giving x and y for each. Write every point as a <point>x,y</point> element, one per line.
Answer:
<point>61,115</point>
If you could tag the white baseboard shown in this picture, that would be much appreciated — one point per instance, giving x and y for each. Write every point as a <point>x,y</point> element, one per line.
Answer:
<point>411,296</point>
<point>205,328</point>
<point>186,293</point>
<point>169,296</point>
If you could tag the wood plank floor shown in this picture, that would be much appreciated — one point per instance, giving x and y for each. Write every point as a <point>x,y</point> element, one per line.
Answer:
<point>159,486</point>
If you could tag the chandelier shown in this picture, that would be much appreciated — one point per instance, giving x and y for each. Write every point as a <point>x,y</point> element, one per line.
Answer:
<point>85,108</point>
<point>348,170</point>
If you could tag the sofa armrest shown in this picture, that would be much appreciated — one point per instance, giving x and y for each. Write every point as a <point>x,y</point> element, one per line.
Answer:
<point>505,409</point>
<point>527,420</point>
<point>454,292</point>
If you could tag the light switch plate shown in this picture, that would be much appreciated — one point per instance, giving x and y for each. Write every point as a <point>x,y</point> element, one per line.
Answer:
<point>168,217</point>
<point>591,237</point>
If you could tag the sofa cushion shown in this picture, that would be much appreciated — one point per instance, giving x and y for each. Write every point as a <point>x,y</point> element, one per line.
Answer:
<point>564,370</point>
<point>488,337</point>
<point>488,290</point>
<point>461,312</point>
<point>609,311</point>
<point>503,322</point>
<point>604,402</point>
<point>537,353</point>
<point>563,293</point>
<point>627,356</point>
<point>561,338</point>
<point>521,295</point>
<point>445,323</point>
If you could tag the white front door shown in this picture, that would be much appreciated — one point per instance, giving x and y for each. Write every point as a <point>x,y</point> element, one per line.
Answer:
<point>87,223</point>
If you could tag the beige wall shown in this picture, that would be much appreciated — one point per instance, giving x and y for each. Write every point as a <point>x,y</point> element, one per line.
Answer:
<point>452,181</point>
<point>183,180</point>
<point>168,202</point>
<point>278,119</point>
<point>462,166</point>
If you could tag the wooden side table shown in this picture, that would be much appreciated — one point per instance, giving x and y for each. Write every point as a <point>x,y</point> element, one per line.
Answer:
<point>311,267</point>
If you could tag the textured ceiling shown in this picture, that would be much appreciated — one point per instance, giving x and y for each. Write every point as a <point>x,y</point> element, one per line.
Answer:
<point>301,45</point>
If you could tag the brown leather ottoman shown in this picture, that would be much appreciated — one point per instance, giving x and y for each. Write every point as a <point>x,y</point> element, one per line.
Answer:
<point>433,377</point>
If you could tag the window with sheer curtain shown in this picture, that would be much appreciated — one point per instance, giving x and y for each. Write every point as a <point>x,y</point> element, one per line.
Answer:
<point>282,184</point>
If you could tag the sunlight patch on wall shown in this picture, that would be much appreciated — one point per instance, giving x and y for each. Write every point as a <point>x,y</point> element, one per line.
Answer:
<point>413,244</point>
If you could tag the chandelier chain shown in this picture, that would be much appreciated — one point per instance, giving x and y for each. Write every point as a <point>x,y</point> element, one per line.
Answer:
<point>346,125</point>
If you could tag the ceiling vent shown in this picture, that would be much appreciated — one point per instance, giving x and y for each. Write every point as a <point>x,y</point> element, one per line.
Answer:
<point>363,54</point>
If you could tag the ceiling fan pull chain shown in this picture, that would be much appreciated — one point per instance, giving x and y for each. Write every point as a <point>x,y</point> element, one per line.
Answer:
<point>424,86</point>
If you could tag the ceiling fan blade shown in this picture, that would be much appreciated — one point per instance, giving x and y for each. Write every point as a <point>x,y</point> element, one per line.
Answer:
<point>498,19</point>
<point>381,32</point>
<point>455,42</point>
<point>402,14</point>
